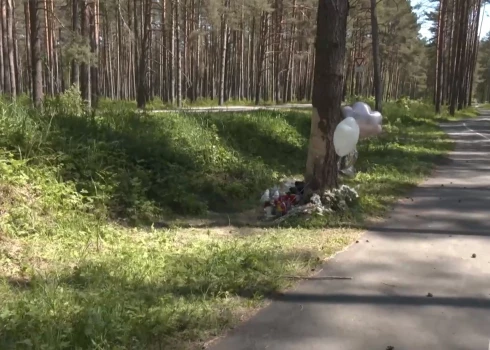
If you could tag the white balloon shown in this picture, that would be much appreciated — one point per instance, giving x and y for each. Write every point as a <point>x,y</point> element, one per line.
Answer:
<point>367,130</point>
<point>368,121</point>
<point>346,136</point>
<point>361,118</point>
<point>361,108</point>
<point>347,111</point>
<point>351,122</point>
<point>376,117</point>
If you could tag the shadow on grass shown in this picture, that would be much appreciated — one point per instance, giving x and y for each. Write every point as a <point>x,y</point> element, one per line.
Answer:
<point>252,275</point>
<point>265,136</point>
<point>176,163</point>
<point>148,168</point>
<point>109,302</point>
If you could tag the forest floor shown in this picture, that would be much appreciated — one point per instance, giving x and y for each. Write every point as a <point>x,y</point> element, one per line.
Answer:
<point>82,266</point>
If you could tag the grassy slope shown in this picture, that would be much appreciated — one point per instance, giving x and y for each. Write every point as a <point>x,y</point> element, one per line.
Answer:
<point>71,278</point>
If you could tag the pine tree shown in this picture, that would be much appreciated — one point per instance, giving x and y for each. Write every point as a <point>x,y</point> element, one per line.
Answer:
<point>321,165</point>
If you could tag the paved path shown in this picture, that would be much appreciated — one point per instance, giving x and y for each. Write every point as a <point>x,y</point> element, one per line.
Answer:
<point>425,246</point>
<point>234,108</point>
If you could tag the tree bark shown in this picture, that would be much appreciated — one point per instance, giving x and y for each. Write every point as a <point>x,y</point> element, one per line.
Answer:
<point>6,49</point>
<point>94,49</point>
<point>260,60</point>
<point>36,63</point>
<point>179,53</point>
<point>224,45</point>
<point>10,44</point>
<point>142,91</point>
<point>475,51</point>
<point>440,56</point>
<point>378,91</point>
<point>84,67</point>
<point>321,165</point>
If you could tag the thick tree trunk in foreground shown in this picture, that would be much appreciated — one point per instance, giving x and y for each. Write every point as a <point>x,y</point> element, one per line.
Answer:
<point>222,68</point>
<point>36,63</point>
<point>94,49</point>
<point>75,68</point>
<point>179,54</point>
<point>321,165</point>
<point>11,47</point>
<point>474,57</point>
<point>142,91</point>
<point>85,67</point>
<point>440,56</point>
<point>75,26</point>
<point>378,92</point>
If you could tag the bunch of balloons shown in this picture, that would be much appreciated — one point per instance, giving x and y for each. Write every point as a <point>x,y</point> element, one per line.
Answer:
<point>359,123</point>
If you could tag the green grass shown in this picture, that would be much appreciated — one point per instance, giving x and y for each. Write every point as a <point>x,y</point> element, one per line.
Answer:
<point>148,289</point>
<point>484,106</point>
<point>74,275</point>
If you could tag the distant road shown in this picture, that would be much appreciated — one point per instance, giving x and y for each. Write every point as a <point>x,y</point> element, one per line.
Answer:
<point>234,108</point>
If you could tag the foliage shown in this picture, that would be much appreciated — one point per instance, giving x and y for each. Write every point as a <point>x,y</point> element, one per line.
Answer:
<point>269,50</point>
<point>68,103</point>
<point>483,78</point>
<point>144,167</point>
<point>402,51</point>
<point>77,49</point>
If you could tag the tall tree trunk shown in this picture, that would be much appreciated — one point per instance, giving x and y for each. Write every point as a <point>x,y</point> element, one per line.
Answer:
<point>17,73</point>
<point>84,67</point>
<point>94,49</point>
<point>119,59</point>
<point>10,44</point>
<point>378,92</point>
<point>6,49</point>
<point>475,51</point>
<point>178,57</point>
<point>36,63</point>
<point>224,46</point>
<point>440,55</point>
<point>457,41</point>
<point>260,61</point>
<point>28,57</point>
<point>463,66</point>
<point>142,91</point>
<point>75,26</point>
<point>173,39</point>
<point>321,165</point>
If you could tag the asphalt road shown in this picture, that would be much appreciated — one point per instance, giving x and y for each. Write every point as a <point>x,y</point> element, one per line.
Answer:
<point>425,246</point>
<point>234,108</point>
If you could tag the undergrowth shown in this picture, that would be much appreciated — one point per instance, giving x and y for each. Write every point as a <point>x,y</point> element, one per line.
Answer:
<point>148,167</point>
<point>72,278</point>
